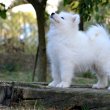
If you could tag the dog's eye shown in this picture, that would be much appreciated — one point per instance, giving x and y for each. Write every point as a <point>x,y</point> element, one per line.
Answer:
<point>62,17</point>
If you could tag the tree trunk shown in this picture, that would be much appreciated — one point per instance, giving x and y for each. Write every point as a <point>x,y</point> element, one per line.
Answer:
<point>81,25</point>
<point>36,59</point>
<point>39,7</point>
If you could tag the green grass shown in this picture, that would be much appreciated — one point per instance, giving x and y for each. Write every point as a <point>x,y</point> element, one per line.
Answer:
<point>85,78</point>
<point>26,76</point>
<point>16,76</point>
<point>82,80</point>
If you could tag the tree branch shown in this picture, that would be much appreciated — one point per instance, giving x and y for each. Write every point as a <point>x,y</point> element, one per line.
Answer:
<point>17,2</point>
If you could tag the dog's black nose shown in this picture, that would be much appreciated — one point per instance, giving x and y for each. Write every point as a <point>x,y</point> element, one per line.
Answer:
<point>52,15</point>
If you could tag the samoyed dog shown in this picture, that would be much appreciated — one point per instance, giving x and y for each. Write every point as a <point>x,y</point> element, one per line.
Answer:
<point>72,51</point>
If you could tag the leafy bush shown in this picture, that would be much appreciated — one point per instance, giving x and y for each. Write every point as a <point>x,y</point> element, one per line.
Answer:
<point>10,67</point>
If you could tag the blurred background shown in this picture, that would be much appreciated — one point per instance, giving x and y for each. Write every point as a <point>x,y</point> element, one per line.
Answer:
<point>19,36</point>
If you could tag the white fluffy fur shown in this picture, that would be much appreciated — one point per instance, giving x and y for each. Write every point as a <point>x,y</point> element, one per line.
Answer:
<point>71,51</point>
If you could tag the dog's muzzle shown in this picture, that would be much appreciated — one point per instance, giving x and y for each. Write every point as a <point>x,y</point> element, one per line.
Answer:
<point>52,15</point>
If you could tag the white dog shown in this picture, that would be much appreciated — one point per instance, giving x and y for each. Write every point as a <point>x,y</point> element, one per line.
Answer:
<point>71,51</point>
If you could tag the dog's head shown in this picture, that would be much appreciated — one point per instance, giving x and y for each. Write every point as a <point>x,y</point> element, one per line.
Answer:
<point>64,20</point>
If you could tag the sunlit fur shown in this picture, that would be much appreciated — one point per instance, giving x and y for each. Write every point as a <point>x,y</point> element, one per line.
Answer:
<point>72,51</point>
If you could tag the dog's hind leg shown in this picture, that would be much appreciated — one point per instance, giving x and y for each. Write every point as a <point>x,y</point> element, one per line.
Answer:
<point>102,81</point>
<point>102,75</point>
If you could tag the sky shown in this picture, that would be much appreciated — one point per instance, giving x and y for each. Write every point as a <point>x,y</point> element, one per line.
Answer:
<point>51,6</point>
<point>6,2</point>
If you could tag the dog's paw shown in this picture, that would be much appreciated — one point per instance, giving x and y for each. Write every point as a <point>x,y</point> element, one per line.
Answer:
<point>98,86</point>
<point>53,84</point>
<point>63,85</point>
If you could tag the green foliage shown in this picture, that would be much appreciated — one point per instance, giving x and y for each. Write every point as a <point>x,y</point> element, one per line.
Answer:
<point>2,11</point>
<point>10,67</point>
<point>13,27</point>
<point>85,107</point>
<point>65,2</point>
<point>24,76</point>
<point>102,16</point>
<point>86,7</point>
<point>88,75</point>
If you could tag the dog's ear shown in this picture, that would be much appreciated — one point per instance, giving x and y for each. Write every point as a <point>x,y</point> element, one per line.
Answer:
<point>76,18</point>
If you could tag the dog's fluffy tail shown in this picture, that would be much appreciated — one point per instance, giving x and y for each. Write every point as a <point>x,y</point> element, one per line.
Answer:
<point>96,31</point>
